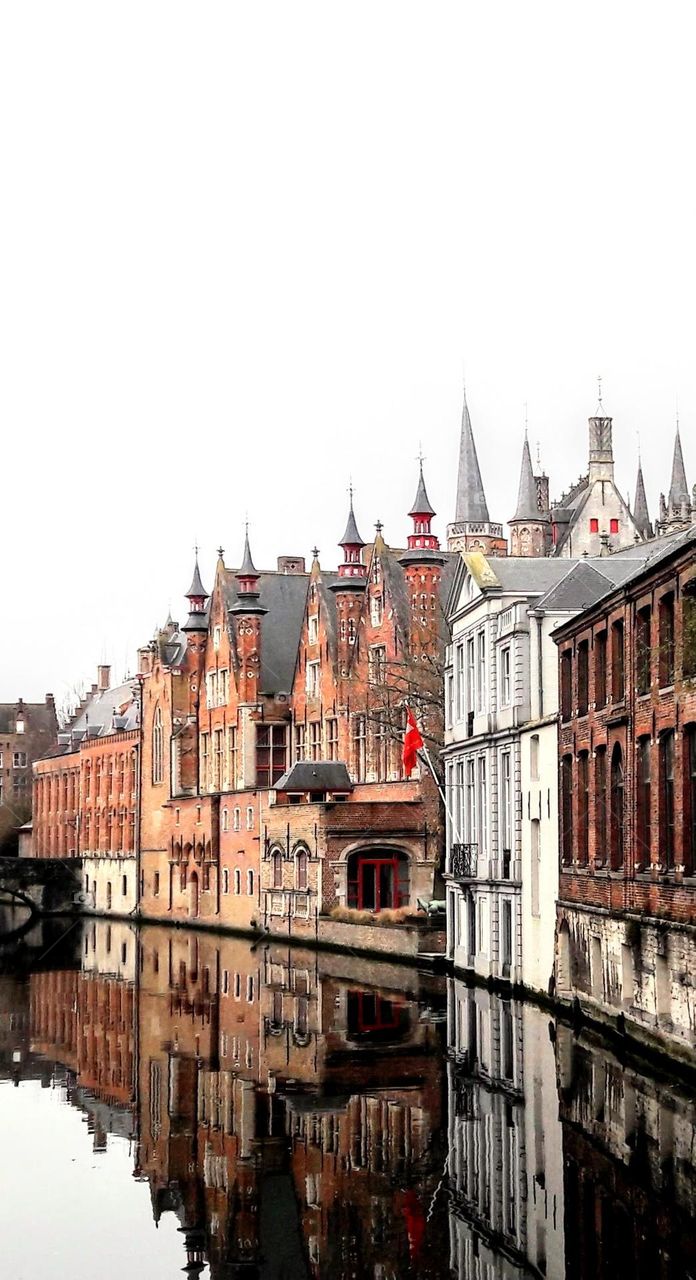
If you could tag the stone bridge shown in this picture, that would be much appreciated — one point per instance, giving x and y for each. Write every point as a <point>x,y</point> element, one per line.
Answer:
<point>47,886</point>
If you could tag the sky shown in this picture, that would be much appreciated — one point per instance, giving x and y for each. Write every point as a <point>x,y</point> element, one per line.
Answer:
<point>250,251</point>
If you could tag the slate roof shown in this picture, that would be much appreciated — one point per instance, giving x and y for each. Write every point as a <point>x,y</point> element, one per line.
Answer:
<point>39,716</point>
<point>527,504</point>
<point>283,596</point>
<point>678,489</point>
<point>196,589</point>
<point>471,505</point>
<point>103,708</point>
<point>641,515</point>
<point>421,503</point>
<point>351,537</point>
<point>319,775</point>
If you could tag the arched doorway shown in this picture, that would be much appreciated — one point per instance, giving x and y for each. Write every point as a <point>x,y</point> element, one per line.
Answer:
<point>378,879</point>
<point>194,901</point>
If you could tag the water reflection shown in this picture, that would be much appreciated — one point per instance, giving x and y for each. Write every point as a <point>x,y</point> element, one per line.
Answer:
<point>297,1114</point>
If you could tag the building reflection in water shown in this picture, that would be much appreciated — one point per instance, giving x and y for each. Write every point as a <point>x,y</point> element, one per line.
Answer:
<point>302,1115</point>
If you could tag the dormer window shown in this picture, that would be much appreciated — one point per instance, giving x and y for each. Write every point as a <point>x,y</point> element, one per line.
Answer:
<point>313,629</point>
<point>19,727</point>
<point>376,610</point>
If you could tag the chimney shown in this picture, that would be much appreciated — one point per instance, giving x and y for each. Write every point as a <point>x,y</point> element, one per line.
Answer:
<point>103,677</point>
<point>291,564</point>
<point>50,700</point>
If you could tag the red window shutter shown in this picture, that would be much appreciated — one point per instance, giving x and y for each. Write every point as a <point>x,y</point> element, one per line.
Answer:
<point>594,525</point>
<point>614,526</point>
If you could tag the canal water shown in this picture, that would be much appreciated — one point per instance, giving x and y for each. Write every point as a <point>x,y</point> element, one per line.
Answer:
<point>173,1102</point>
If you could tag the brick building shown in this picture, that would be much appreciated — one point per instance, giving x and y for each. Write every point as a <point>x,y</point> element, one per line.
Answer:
<point>27,731</point>
<point>626,943</point>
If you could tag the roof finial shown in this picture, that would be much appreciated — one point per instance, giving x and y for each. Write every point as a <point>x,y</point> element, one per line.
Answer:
<point>315,553</point>
<point>420,456</point>
<point>221,553</point>
<point>379,527</point>
<point>599,394</point>
<point>638,439</point>
<point>526,422</point>
<point>538,444</point>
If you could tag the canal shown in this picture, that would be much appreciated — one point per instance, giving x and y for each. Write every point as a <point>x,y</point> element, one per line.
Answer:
<point>172,1101</point>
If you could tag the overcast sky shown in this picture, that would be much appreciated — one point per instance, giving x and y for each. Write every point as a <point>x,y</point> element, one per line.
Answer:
<point>249,250</point>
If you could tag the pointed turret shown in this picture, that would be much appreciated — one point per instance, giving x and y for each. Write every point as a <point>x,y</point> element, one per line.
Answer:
<point>423,545</point>
<point>197,597</point>
<point>352,572</point>
<point>641,516</point>
<point>248,582</point>
<point>471,500</point>
<point>472,529</point>
<point>528,525</point>
<point>678,489</point>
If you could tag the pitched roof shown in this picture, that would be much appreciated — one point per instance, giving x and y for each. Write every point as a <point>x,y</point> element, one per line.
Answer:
<point>107,711</point>
<point>40,717</point>
<point>248,569</point>
<point>471,505</point>
<point>678,489</point>
<point>527,504</point>
<point>641,516</point>
<point>421,502</point>
<point>196,589</point>
<point>319,775</point>
<point>351,537</point>
<point>283,596</point>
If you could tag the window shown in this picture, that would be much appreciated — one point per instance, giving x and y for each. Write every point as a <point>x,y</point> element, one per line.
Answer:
<point>301,869</point>
<point>224,687</point>
<point>237,880</point>
<point>315,740</point>
<point>470,834</point>
<point>108,895</point>
<point>536,867</point>
<point>594,524</point>
<point>312,680</point>
<point>459,652</point>
<point>312,629</point>
<point>583,677</point>
<point>505,676</point>
<point>689,855</point>
<point>217,633</point>
<point>567,810</point>
<point>218,759</point>
<point>225,820</point>
<point>19,760</point>
<point>617,809</point>
<point>482,806</point>
<point>377,664</point>
<point>566,684</point>
<point>534,757</point>
<point>277,868</point>
<point>450,699</point>
<point>124,886</point>
<point>617,660</point>
<point>232,757</point>
<point>332,738</point>
<point>689,629</point>
<point>205,761</point>
<point>470,678</point>
<point>643,830</point>
<point>250,883</point>
<point>300,742</point>
<point>506,811</point>
<point>666,640</point>
<point>600,670</point>
<point>156,885</point>
<point>667,800</point>
<point>583,808</point>
<point>376,610</point>
<point>270,754</point>
<point>613,525</point>
<point>237,819</point>
<point>250,817</point>
<point>481,688</point>
<point>157,753</point>
<point>225,880</point>
<point>359,748</point>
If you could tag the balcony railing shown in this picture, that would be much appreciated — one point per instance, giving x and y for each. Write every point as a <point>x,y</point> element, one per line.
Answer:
<point>464,861</point>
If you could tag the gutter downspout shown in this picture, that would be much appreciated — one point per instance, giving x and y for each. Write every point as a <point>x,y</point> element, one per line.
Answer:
<point>540,665</point>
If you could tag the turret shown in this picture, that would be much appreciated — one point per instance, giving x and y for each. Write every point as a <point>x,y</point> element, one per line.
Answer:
<point>641,517</point>
<point>472,529</point>
<point>423,545</point>
<point>677,512</point>
<point>528,526</point>
<point>352,579</point>
<point>197,597</point>
<point>352,545</point>
<point>247,612</point>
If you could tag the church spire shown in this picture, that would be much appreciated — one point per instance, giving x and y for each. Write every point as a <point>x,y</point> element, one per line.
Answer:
<point>471,503</point>
<point>641,516</point>
<point>423,544</point>
<point>527,505</point>
<point>679,489</point>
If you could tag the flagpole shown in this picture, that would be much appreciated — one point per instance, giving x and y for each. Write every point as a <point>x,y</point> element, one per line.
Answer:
<point>436,780</point>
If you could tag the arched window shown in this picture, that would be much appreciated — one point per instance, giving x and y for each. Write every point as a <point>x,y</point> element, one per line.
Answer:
<point>250,882</point>
<point>617,809</point>
<point>237,880</point>
<point>237,819</point>
<point>157,745</point>
<point>250,818</point>
<point>225,880</point>
<point>667,809</point>
<point>225,819</point>
<point>277,861</point>
<point>108,895</point>
<point>301,869</point>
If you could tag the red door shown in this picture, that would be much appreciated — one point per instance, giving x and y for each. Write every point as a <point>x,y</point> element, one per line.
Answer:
<point>376,883</point>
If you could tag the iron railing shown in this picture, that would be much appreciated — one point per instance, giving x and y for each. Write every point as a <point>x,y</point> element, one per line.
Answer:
<point>463,861</point>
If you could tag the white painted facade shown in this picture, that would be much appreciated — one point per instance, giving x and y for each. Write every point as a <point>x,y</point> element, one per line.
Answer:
<point>109,883</point>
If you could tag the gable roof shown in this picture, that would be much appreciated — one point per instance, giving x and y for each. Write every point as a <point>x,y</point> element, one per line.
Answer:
<point>284,597</point>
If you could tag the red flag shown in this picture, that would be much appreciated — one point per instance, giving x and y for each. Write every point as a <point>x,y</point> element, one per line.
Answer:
<point>412,742</point>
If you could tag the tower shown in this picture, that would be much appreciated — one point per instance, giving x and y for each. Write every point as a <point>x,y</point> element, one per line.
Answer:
<point>351,582</point>
<point>246,613</point>
<point>641,516</point>
<point>677,512</point>
<point>528,527</point>
<point>601,449</point>
<point>422,564</point>
<point>472,529</point>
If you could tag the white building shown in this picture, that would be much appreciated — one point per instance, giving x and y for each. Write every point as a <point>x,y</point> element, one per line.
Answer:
<point>501,687</point>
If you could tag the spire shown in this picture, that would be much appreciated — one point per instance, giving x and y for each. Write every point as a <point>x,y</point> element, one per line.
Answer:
<point>527,505</point>
<point>351,537</point>
<point>196,596</point>
<point>641,517</point>
<point>196,591</point>
<point>679,489</point>
<point>471,500</point>
<point>248,569</point>
<point>247,583</point>
<point>421,503</point>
